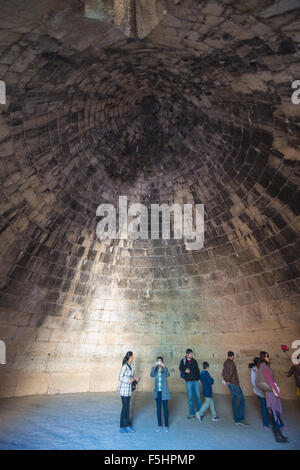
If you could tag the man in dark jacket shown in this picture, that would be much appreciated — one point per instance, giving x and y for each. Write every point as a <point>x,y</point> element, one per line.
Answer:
<point>231,379</point>
<point>190,373</point>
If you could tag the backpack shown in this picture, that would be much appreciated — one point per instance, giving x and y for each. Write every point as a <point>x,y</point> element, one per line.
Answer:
<point>182,373</point>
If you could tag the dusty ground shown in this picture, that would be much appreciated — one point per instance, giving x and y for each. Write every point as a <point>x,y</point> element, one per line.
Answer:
<point>91,421</point>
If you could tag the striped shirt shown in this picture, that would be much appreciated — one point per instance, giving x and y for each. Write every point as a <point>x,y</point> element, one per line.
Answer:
<point>126,373</point>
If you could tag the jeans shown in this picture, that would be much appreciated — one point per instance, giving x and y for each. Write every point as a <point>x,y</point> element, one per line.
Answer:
<point>264,411</point>
<point>124,420</point>
<point>238,402</point>
<point>160,402</point>
<point>277,424</point>
<point>208,403</point>
<point>193,388</point>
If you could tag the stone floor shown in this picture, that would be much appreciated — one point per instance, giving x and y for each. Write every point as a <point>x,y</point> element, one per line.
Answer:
<point>91,420</point>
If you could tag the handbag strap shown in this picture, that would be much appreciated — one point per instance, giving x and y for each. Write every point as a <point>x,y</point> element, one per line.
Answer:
<point>130,368</point>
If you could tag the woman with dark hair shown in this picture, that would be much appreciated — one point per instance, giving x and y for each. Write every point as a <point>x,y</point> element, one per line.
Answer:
<point>128,380</point>
<point>272,396</point>
<point>259,393</point>
<point>161,391</point>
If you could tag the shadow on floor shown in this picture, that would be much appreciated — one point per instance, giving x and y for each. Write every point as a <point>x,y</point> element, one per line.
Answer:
<point>91,421</point>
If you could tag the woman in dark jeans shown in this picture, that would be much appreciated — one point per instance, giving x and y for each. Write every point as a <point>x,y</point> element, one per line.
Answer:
<point>259,393</point>
<point>126,377</point>
<point>273,401</point>
<point>161,391</point>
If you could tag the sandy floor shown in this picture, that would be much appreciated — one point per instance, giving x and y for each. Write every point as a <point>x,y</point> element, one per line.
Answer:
<point>91,421</point>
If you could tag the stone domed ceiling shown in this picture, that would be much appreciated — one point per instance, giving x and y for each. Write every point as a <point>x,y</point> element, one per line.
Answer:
<point>198,111</point>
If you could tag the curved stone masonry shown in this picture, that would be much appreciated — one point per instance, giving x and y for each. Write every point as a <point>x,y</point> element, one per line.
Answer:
<point>199,111</point>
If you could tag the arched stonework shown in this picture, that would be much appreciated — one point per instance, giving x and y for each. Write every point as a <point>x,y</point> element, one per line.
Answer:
<point>199,111</point>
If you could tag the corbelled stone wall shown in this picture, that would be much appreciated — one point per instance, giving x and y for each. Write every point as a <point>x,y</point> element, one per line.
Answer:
<point>199,111</point>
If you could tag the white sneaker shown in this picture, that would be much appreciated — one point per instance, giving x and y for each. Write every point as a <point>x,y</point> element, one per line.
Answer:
<point>216,418</point>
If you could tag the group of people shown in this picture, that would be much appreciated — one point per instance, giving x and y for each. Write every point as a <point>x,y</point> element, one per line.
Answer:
<point>262,378</point>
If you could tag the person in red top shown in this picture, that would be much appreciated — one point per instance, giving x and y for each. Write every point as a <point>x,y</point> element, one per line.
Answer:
<point>295,371</point>
<point>191,374</point>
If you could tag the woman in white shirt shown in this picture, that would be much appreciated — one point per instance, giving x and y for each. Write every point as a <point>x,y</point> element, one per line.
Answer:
<point>126,378</point>
<point>260,394</point>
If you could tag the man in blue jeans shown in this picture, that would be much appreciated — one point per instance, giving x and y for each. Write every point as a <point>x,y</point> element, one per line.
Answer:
<point>191,374</point>
<point>231,379</point>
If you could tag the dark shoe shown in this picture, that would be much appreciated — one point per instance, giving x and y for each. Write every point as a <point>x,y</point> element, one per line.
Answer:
<point>244,423</point>
<point>190,416</point>
<point>280,438</point>
<point>285,439</point>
